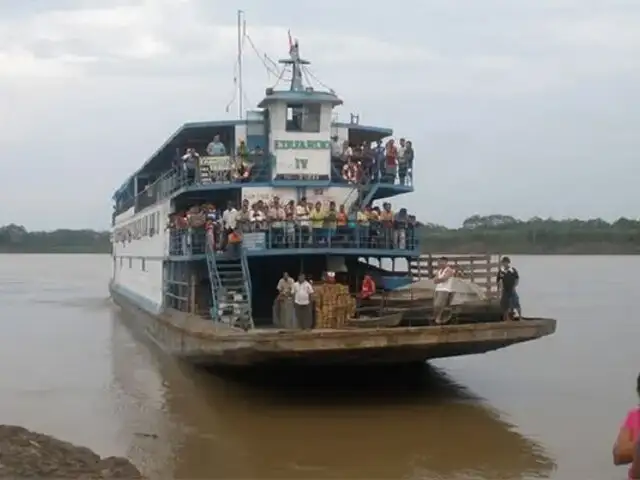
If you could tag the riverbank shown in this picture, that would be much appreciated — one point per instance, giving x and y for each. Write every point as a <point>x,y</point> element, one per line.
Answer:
<point>28,454</point>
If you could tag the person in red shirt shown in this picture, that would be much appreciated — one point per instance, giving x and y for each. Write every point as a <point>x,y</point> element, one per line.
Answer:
<point>391,162</point>
<point>368,287</point>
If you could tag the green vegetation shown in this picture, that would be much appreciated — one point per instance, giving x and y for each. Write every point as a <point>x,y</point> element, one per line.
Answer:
<point>16,239</point>
<point>502,233</point>
<point>492,233</point>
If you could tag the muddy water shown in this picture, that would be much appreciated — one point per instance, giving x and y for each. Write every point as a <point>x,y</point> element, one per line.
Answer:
<point>70,366</point>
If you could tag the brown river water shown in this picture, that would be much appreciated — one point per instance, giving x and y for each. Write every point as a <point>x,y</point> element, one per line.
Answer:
<point>70,367</point>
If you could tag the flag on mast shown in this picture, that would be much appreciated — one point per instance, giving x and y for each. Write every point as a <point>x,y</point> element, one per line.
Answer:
<point>290,41</point>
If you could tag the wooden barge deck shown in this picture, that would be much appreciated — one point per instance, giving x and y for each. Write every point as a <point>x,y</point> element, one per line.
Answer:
<point>203,342</point>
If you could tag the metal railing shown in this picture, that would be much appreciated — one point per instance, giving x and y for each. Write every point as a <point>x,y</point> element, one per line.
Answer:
<point>287,235</point>
<point>228,170</point>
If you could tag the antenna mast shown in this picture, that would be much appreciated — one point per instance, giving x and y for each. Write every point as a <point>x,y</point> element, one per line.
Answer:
<point>241,28</point>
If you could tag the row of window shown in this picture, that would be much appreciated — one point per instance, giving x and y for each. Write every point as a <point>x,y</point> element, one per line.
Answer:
<point>146,226</point>
<point>143,263</point>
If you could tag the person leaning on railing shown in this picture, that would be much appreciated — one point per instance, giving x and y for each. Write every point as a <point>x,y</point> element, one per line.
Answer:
<point>343,234</point>
<point>290,223</point>
<point>303,223</point>
<point>317,216</point>
<point>386,221</point>
<point>400,223</point>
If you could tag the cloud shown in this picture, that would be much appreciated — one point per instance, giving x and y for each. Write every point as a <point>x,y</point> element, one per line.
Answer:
<point>89,88</point>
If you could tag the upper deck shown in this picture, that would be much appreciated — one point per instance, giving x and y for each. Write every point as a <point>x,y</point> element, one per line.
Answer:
<point>293,150</point>
<point>292,141</point>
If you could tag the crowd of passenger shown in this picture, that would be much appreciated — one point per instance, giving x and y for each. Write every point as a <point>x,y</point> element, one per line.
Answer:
<point>288,224</point>
<point>388,162</point>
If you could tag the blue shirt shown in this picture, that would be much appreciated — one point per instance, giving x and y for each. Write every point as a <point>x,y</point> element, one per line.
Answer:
<point>216,148</point>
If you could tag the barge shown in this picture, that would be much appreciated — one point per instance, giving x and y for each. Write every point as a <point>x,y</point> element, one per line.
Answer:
<point>299,194</point>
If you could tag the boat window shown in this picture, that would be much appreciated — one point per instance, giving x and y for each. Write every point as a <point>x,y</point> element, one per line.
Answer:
<point>143,265</point>
<point>304,118</point>
<point>130,262</point>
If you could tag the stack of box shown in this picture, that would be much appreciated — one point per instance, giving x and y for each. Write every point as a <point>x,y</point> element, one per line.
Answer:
<point>333,305</point>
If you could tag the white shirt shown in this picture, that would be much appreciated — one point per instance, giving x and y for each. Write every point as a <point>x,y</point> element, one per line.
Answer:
<point>230,218</point>
<point>302,292</point>
<point>401,150</point>
<point>446,286</point>
<point>336,149</point>
<point>285,286</point>
<point>302,215</point>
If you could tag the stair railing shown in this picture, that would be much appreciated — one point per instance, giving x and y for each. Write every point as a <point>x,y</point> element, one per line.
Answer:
<point>214,280</point>
<point>246,274</point>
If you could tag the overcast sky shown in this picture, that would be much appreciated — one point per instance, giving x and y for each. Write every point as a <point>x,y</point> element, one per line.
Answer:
<point>527,107</point>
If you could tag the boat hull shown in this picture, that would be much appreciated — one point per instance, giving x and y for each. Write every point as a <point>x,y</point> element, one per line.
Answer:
<point>203,342</point>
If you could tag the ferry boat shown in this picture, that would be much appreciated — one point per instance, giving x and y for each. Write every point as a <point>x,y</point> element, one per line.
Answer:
<point>211,302</point>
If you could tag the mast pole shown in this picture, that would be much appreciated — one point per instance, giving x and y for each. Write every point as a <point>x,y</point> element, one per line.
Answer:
<point>240,92</point>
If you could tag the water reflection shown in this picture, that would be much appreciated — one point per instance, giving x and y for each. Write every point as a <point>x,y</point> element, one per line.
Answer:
<point>310,424</point>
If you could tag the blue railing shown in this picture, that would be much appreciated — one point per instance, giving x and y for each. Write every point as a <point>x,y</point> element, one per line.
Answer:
<point>226,170</point>
<point>375,236</point>
<point>247,274</point>
<point>214,279</point>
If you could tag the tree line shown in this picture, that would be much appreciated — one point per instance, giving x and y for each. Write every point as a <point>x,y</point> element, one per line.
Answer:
<point>504,233</point>
<point>490,233</point>
<point>17,239</point>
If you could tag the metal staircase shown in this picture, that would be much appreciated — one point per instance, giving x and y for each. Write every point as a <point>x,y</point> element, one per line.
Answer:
<point>364,191</point>
<point>230,289</point>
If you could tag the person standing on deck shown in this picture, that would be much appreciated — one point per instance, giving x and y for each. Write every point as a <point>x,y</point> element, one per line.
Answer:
<point>444,289</point>
<point>302,291</point>
<point>229,223</point>
<point>508,279</point>
<point>216,147</point>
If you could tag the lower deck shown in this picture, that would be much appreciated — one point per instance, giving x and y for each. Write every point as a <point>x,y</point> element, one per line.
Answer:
<point>203,342</point>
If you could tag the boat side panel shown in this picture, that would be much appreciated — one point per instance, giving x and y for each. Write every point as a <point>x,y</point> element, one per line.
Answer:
<point>138,262</point>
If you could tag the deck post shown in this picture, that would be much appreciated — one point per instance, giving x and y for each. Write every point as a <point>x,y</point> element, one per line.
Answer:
<point>488,259</point>
<point>192,293</point>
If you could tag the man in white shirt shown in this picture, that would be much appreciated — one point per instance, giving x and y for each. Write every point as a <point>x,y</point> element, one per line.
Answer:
<point>302,220</point>
<point>229,223</point>
<point>283,305</point>
<point>216,148</point>
<point>302,291</point>
<point>444,290</point>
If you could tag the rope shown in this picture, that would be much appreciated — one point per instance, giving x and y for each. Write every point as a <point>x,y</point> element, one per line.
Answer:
<point>260,56</point>
<point>307,71</point>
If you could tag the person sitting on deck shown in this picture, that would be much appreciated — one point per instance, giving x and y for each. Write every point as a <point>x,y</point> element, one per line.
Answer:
<point>508,279</point>
<point>368,287</point>
<point>216,148</point>
<point>444,290</point>
<point>302,291</point>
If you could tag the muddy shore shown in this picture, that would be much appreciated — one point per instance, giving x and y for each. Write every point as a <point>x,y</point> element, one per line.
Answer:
<point>28,454</point>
